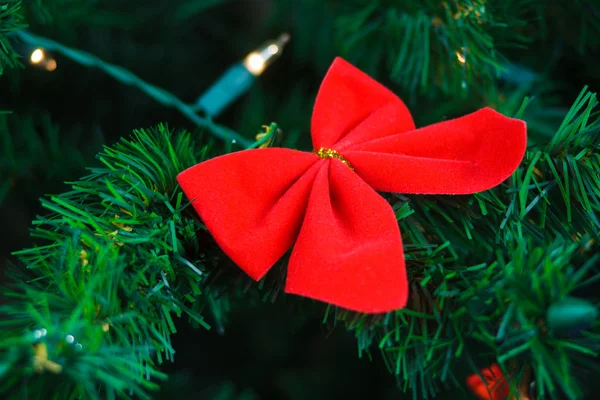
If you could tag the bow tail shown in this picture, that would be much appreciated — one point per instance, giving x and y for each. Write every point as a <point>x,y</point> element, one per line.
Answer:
<point>349,251</point>
<point>252,202</point>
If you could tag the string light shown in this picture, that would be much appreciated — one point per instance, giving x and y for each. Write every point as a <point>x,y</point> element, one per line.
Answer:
<point>238,79</point>
<point>37,56</point>
<point>461,58</point>
<point>254,63</point>
<point>257,61</point>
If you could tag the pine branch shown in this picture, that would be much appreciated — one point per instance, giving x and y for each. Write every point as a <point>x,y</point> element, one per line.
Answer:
<point>32,153</point>
<point>476,262</point>
<point>521,295</point>
<point>10,21</point>
<point>453,44</point>
<point>119,259</point>
<point>64,12</point>
<point>67,326</point>
<point>558,17</point>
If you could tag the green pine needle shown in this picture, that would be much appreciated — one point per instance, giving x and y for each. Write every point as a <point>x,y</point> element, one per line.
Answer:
<point>110,277</point>
<point>120,259</point>
<point>11,20</point>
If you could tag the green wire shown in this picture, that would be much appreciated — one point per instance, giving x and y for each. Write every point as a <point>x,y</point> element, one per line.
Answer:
<point>124,76</point>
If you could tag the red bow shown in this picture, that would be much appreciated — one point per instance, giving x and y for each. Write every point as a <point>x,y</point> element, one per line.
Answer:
<point>494,385</point>
<point>347,246</point>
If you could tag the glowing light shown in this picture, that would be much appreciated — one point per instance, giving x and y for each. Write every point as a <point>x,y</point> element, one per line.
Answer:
<point>37,56</point>
<point>255,63</point>
<point>51,66</point>
<point>461,58</point>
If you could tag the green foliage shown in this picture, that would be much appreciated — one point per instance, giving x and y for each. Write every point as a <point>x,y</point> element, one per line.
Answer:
<point>64,15</point>
<point>131,215</point>
<point>119,260</point>
<point>10,21</point>
<point>122,255</point>
<point>520,294</point>
<point>95,342</point>
<point>315,46</point>
<point>421,45</point>
<point>35,154</point>
<point>58,12</point>
<point>558,17</point>
<point>453,45</point>
<point>486,268</point>
<point>122,250</point>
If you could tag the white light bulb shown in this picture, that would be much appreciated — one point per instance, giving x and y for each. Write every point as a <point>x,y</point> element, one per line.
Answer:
<point>37,56</point>
<point>255,63</point>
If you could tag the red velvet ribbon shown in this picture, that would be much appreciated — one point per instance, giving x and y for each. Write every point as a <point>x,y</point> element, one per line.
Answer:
<point>493,386</point>
<point>347,248</point>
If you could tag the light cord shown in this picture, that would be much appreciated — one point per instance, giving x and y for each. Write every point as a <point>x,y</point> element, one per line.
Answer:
<point>124,76</point>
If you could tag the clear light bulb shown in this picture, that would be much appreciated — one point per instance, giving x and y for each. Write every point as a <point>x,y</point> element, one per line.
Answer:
<point>257,61</point>
<point>37,56</point>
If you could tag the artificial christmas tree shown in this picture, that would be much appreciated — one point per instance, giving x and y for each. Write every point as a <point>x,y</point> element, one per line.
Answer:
<point>121,274</point>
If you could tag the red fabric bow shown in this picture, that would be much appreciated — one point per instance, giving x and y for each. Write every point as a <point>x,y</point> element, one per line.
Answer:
<point>494,385</point>
<point>259,203</point>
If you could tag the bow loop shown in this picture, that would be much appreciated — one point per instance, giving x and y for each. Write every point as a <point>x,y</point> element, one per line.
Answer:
<point>252,202</point>
<point>346,99</point>
<point>461,156</point>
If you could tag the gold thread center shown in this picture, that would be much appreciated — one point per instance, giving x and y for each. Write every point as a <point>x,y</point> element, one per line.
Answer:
<point>330,153</point>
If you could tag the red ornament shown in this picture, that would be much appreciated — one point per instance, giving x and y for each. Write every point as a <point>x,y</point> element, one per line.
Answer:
<point>259,203</point>
<point>495,386</point>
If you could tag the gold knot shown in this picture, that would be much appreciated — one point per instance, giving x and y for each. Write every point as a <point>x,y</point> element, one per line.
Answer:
<point>330,153</point>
